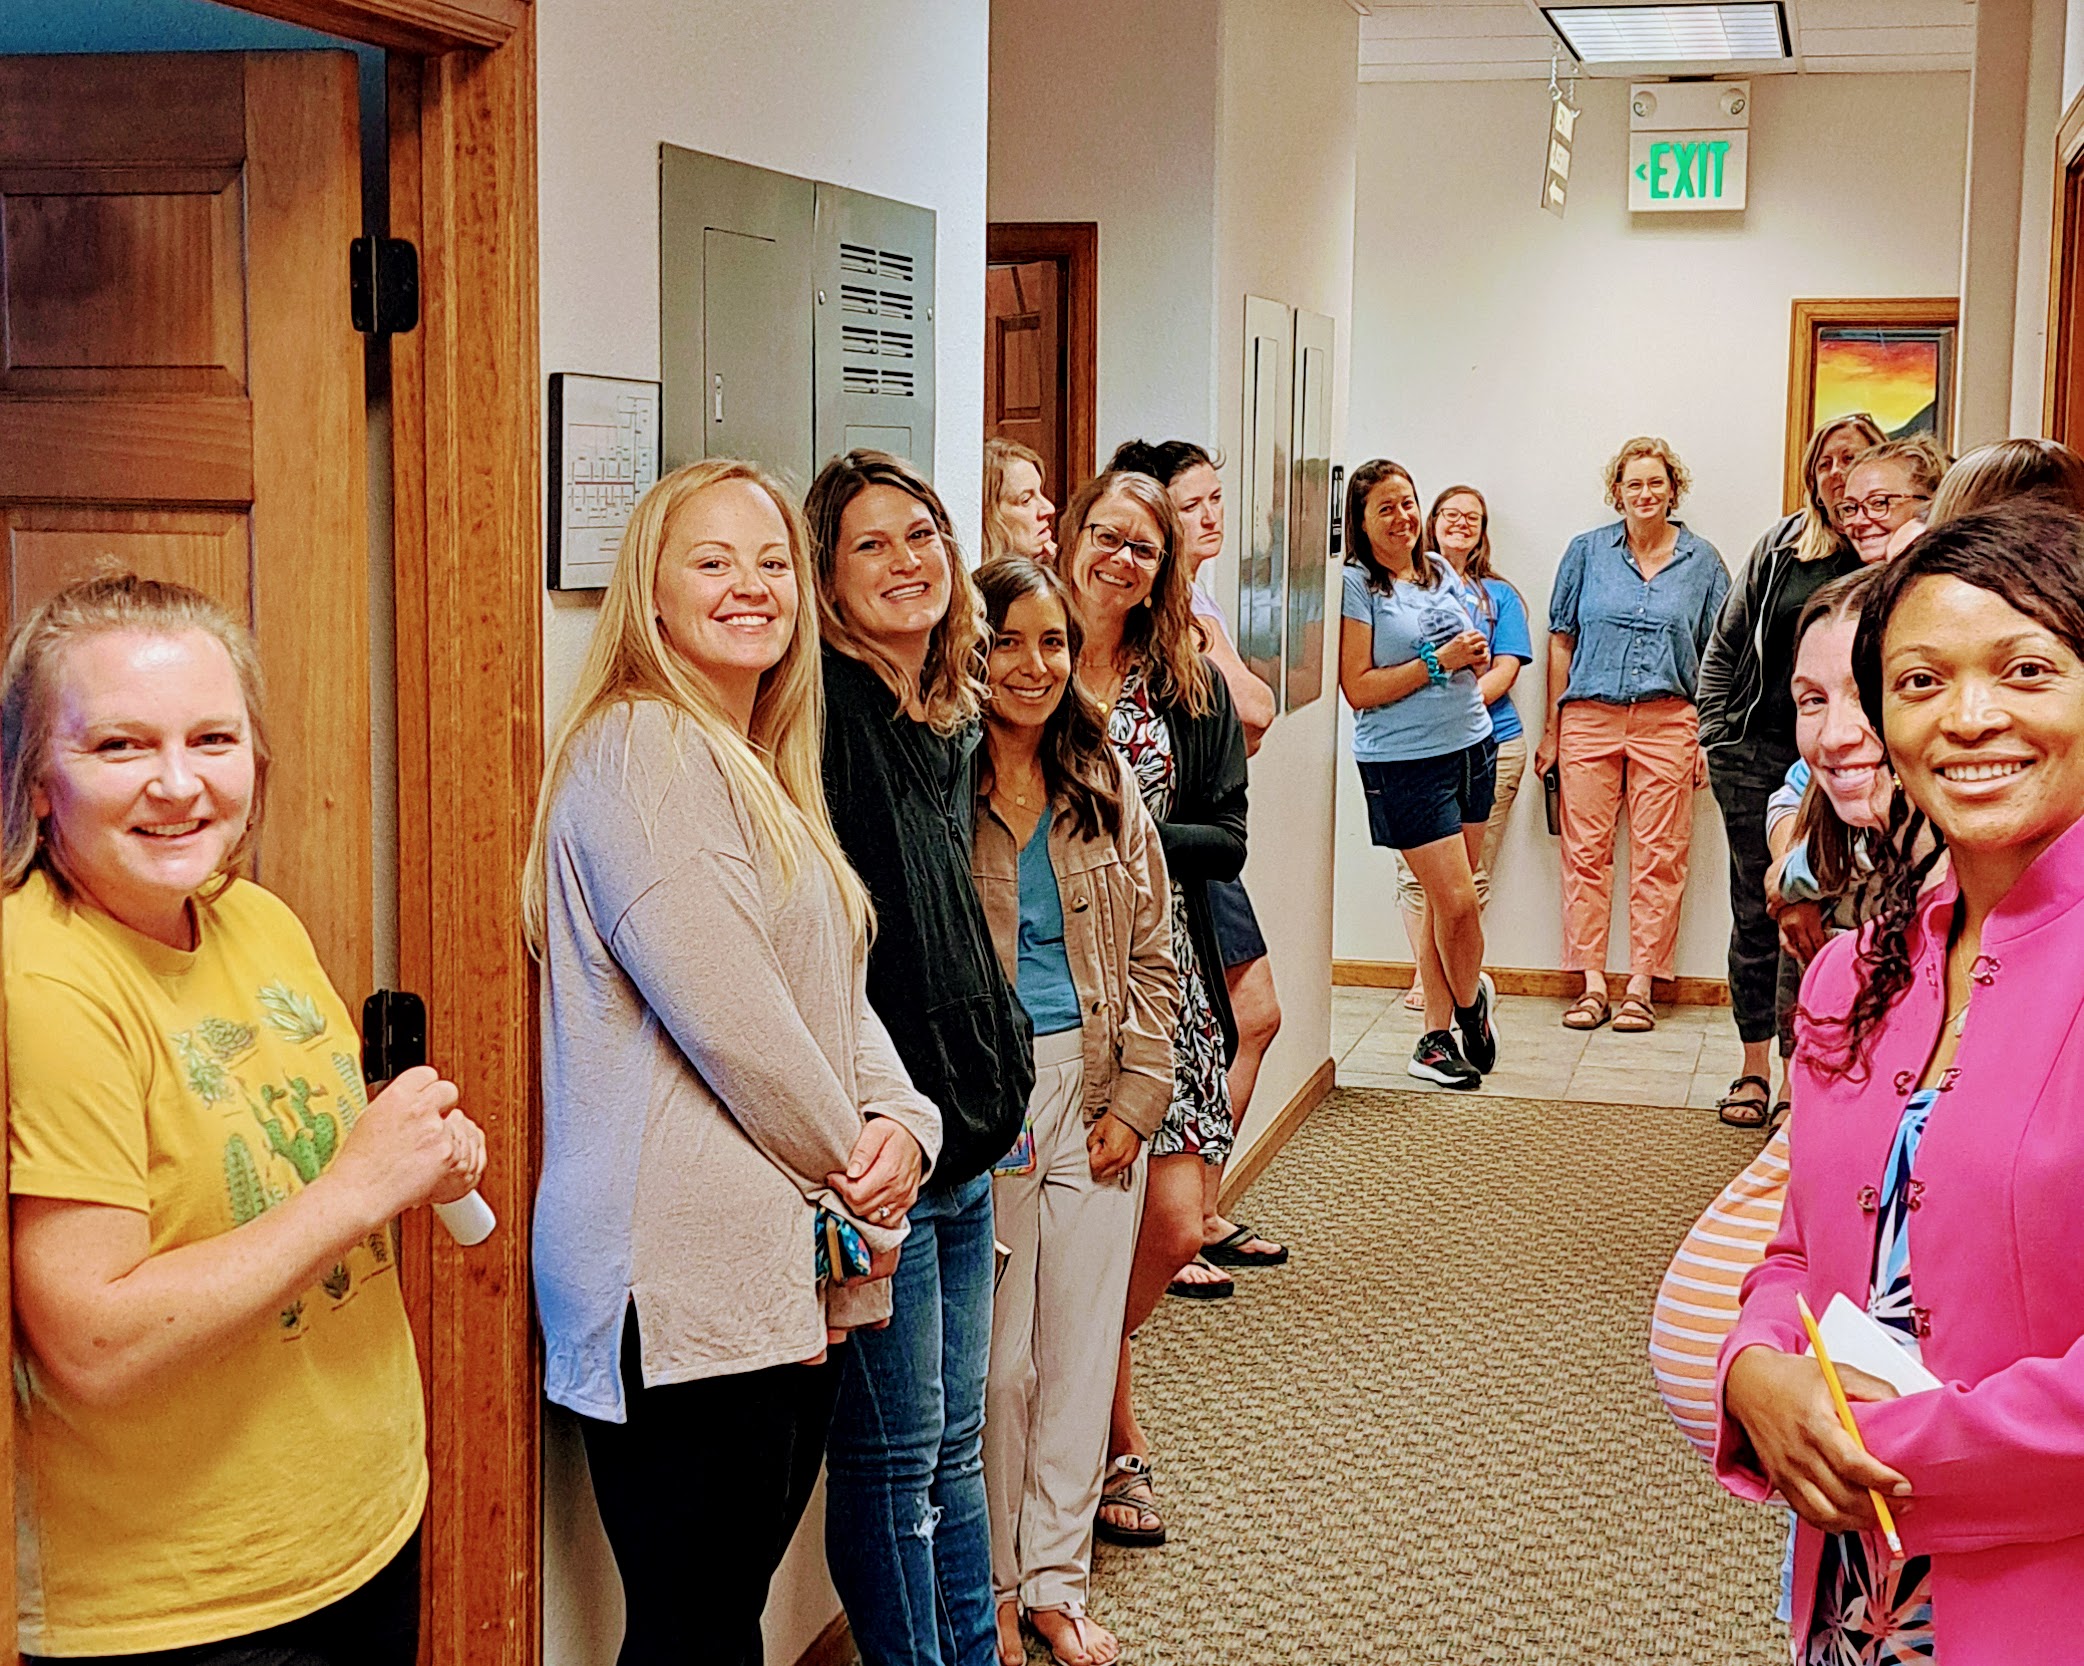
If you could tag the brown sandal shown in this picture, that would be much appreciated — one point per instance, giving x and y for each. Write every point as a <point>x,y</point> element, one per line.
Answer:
<point>1587,1012</point>
<point>1635,1016</point>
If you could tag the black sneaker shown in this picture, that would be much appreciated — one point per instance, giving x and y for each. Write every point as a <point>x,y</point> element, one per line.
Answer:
<point>1479,1034</point>
<point>1439,1060</point>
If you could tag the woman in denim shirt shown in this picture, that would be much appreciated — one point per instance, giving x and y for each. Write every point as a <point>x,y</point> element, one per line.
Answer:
<point>1632,610</point>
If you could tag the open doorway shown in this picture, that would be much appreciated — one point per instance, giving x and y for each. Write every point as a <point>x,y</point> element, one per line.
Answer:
<point>1041,300</point>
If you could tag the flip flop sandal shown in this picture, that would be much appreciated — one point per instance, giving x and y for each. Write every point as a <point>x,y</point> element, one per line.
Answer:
<point>1231,1251</point>
<point>1741,1110</point>
<point>1129,1483</point>
<point>1587,1012</point>
<point>1211,1290</point>
<point>1634,1016</point>
<point>1079,1621</point>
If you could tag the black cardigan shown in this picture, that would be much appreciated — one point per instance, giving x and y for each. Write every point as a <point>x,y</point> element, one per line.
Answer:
<point>1204,838</point>
<point>903,801</point>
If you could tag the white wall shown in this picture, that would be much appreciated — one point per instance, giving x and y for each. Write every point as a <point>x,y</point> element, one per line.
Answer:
<point>1212,142</point>
<point>1494,343</point>
<point>1284,229</point>
<point>882,95</point>
<point>1118,126</point>
<point>885,96</point>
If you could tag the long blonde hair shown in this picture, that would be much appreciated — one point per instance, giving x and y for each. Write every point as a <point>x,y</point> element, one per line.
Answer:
<point>1819,535</point>
<point>999,456</point>
<point>775,773</point>
<point>1164,631</point>
<point>951,687</point>
<point>113,601</point>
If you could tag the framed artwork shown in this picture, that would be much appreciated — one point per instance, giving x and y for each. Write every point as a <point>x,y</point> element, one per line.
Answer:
<point>1893,359</point>
<point>604,455</point>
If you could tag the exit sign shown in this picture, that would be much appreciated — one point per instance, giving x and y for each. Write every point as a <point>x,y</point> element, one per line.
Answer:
<point>1687,173</point>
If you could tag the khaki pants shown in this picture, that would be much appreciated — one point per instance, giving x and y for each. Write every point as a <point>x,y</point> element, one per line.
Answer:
<point>1056,1336</point>
<point>1649,753</point>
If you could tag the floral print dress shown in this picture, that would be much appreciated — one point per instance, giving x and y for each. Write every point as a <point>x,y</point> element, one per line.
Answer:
<point>1871,1608</point>
<point>1198,1120</point>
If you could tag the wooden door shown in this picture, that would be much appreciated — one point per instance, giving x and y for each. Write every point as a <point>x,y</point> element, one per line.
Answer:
<point>2065,390</point>
<point>1023,360</point>
<point>1040,304</point>
<point>181,393</point>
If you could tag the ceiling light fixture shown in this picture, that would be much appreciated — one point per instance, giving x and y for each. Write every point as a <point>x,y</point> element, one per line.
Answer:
<point>1747,31</point>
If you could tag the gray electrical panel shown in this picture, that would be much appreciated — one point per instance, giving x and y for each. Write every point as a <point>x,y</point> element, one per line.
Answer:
<point>795,317</point>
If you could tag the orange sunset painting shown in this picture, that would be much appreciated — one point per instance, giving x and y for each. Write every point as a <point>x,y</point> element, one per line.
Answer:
<point>1899,375</point>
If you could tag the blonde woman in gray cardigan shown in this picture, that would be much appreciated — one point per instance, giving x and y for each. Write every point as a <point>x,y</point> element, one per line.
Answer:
<point>723,1112</point>
<point>1072,878</point>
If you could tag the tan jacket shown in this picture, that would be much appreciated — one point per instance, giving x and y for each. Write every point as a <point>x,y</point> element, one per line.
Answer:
<point>1118,937</point>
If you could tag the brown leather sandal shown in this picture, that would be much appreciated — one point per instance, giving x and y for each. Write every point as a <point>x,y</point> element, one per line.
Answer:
<point>1738,1109</point>
<point>1587,1012</point>
<point>1634,1016</point>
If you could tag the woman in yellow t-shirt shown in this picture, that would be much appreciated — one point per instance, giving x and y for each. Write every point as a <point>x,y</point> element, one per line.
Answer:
<point>219,1431</point>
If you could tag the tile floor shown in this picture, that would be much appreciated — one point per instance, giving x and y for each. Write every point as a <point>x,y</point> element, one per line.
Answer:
<point>1689,1059</point>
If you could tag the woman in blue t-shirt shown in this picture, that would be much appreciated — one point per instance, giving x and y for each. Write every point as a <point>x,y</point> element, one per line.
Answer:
<point>1458,530</point>
<point>1410,652</point>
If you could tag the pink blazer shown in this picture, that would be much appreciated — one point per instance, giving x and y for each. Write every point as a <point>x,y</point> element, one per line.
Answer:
<point>1996,1457</point>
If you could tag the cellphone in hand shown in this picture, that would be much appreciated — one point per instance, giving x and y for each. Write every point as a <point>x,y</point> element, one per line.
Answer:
<point>394,1034</point>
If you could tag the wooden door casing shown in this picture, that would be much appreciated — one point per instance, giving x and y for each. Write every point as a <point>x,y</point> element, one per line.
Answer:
<point>1041,324</point>
<point>181,393</point>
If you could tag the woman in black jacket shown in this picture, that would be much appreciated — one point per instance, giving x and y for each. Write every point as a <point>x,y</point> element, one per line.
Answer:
<point>907,1535</point>
<point>1747,729</point>
<point>1122,554</point>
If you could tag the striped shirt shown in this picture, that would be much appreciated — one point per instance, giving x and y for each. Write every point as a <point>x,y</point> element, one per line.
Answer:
<point>1698,1300</point>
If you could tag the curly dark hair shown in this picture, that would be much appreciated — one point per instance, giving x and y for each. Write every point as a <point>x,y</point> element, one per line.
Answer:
<point>1078,761</point>
<point>1163,460</point>
<point>2030,552</point>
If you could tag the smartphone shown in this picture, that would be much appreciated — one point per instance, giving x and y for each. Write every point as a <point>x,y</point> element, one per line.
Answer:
<point>394,1034</point>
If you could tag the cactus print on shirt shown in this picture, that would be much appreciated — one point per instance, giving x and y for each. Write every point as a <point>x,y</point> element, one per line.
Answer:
<point>202,1089</point>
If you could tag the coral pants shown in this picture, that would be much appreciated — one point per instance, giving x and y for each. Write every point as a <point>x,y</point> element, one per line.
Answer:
<point>1648,753</point>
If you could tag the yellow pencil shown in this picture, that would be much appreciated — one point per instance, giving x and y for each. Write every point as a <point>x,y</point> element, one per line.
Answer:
<point>1830,1377</point>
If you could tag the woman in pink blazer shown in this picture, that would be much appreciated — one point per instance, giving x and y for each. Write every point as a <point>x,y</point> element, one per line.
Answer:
<point>1937,1165</point>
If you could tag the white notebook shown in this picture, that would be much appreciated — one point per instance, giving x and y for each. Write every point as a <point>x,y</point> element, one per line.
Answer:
<point>1856,1338</point>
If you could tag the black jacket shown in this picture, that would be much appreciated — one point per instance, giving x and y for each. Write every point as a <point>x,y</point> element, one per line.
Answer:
<point>903,801</point>
<point>1204,838</point>
<point>1731,680</point>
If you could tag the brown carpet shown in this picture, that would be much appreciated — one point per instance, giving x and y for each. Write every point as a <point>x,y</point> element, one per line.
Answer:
<point>1432,1437</point>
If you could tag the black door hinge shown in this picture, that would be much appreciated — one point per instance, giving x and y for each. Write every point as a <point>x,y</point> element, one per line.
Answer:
<point>383,285</point>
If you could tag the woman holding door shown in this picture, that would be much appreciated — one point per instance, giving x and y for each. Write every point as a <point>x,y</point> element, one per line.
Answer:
<point>223,1452</point>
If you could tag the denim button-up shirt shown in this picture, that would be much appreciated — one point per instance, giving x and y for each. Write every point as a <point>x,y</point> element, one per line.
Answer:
<point>1636,639</point>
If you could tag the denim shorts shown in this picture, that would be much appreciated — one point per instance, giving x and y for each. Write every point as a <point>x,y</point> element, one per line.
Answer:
<point>1423,800</point>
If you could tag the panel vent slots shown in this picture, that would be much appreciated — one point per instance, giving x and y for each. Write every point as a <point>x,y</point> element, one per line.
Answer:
<point>873,262</point>
<point>866,379</point>
<point>889,344</point>
<point>895,304</point>
<point>854,297</point>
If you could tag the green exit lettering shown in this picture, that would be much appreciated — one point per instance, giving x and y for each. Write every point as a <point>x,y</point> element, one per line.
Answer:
<point>1684,169</point>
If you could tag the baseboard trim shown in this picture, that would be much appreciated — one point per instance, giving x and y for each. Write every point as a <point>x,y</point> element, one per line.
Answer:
<point>1238,1178</point>
<point>834,1646</point>
<point>1528,980</point>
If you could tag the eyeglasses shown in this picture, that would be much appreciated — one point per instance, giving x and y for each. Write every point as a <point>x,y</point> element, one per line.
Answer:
<point>1878,505</point>
<point>1110,540</point>
<point>1459,517</point>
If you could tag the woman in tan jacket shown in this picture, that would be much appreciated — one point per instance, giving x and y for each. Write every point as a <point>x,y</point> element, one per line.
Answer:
<point>730,1142</point>
<point>1073,882</point>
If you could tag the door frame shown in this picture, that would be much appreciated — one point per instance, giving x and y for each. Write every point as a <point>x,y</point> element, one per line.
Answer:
<point>466,462</point>
<point>1075,246</point>
<point>2065,298</point>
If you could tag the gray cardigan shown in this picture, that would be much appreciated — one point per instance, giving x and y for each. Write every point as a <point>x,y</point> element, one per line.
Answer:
<point>709,1056</point>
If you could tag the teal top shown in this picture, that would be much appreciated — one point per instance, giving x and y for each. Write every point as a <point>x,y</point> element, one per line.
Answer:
<point>1043,973</point>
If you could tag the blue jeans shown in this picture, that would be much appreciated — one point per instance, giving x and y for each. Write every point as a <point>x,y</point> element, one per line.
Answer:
<point>907,1534</point>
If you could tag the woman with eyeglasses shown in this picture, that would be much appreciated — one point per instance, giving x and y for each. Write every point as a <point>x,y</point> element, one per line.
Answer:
<point>1747,728</point>
<point>1888,495</point>
<point>1122,555</point>
<point>1458,530</point>
<point>1411,653</point>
